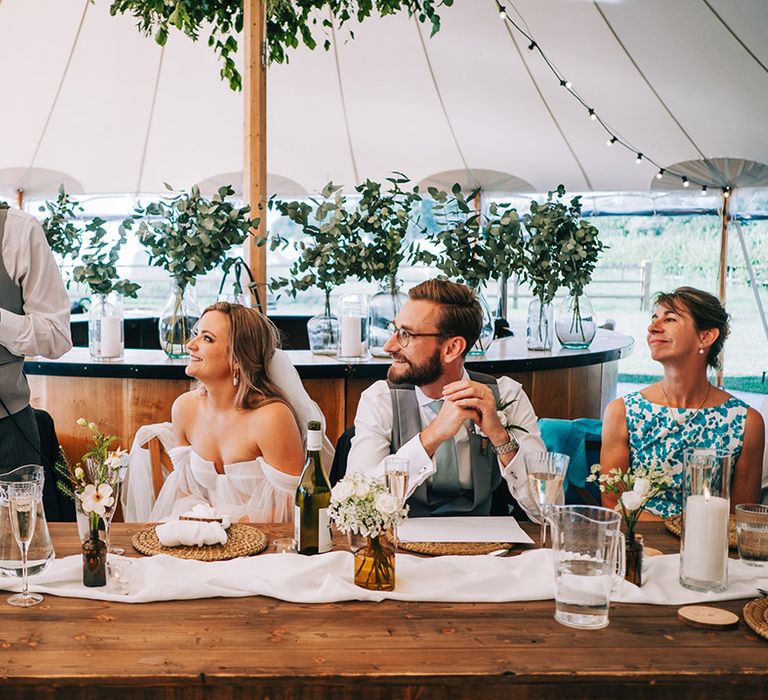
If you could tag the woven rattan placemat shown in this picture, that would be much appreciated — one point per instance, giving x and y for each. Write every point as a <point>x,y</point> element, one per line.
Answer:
<point>445,548</point>
<point>756,616</point>
<point>674,525</point>
<point>242,541</point>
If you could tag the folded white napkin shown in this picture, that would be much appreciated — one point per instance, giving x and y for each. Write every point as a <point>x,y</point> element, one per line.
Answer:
<point>194,532</point>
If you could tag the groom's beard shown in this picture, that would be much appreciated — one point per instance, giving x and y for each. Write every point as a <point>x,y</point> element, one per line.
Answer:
<point>425,372</point>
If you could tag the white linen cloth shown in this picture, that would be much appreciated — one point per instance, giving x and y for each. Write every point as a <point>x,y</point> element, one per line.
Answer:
<point>327,578</point>
<point>43,329</point>
<point>373,432</point>
<point>252,491</point>
<point>190,533</point>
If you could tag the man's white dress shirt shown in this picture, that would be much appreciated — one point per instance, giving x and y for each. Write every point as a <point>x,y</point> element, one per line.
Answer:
<point>43,329</point>
<point>373,434</point>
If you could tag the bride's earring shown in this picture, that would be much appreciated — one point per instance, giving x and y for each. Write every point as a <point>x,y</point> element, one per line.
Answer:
<point>236,376</point>
<point>701,349</point>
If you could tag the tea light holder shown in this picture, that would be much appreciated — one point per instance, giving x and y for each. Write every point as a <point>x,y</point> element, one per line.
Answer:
<point>353,328</point>
<point>706,505</point>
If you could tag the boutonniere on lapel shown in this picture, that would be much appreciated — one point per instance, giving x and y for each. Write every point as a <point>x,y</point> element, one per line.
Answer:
<point>506,423</point>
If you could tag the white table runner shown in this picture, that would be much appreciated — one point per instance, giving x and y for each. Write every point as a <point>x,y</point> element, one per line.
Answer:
<point>327,578</point>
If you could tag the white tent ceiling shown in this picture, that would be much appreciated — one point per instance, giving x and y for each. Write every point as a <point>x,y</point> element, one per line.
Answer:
<point>670,77</point>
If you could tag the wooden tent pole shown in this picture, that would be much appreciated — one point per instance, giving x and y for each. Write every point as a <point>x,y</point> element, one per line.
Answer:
<point>255,137</point>
<point>20,198</point>
<point>725,219</point>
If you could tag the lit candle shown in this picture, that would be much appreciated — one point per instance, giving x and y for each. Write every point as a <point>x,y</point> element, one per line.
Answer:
<point>351,336</point>
<point>705,547</point>
<point>110,337</point>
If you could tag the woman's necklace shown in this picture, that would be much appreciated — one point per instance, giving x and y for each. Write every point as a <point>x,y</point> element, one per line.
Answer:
<point>679,418</point>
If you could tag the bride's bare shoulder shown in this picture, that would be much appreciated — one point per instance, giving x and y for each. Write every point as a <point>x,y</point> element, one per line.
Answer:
<point>185,406</point>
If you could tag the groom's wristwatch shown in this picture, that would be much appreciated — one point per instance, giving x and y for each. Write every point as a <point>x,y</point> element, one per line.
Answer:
<point>506,447</point>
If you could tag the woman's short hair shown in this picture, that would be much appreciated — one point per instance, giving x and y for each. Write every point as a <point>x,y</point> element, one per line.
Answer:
<point>252,342</point>
<point>460,311</point>
<point>707,313</point>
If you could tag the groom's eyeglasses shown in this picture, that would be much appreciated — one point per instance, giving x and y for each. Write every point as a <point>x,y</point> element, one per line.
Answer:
<point>404,336</point>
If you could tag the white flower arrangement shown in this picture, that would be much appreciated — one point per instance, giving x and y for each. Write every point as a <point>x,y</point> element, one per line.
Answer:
<point>633,487</point>
<point>363,505</point>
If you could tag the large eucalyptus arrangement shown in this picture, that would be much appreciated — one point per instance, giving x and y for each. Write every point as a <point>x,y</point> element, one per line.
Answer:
<point>331,250</point>
<point>288,22</point>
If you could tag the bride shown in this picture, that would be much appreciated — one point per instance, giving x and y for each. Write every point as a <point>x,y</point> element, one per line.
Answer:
<point>236,441</point>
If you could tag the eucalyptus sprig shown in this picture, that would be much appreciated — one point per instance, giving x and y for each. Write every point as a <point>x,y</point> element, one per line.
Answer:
<point>189,235</point>
<point>288,22</point>
<point>63,235</point>
<point>330,252</point>
<point>98,265</point>
<point>473,246</point>
<point>385,217</point>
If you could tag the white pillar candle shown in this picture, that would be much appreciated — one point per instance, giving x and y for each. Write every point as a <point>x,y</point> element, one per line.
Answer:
<point>351,336</point>
<point>110,336</point>
<point>705,547</point>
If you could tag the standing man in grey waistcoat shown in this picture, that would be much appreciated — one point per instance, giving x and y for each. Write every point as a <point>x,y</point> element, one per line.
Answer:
<point>440,417</point>
<point>34,320</point>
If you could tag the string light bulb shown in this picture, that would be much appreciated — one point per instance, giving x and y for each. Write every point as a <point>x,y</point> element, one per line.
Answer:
<point>639,158</point>
<point>726,192</point>
<point>685,182</point>
<point>532,46</point>
<point>611,141</point>
<point>502,12</point>
<point>592,114</point>
<point>703,189</point>
<point>660,174</point>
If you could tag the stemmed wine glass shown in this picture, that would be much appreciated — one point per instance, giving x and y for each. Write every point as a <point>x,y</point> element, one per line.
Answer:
<point>546,474</point>
<point>396,475</point>
<point>22,507</point>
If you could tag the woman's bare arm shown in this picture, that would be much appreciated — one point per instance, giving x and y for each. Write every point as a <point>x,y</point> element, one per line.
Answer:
<point>748,471</point>
<point>614,452</point>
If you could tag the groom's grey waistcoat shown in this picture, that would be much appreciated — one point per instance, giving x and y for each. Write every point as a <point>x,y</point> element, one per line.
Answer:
<point>486,476</point>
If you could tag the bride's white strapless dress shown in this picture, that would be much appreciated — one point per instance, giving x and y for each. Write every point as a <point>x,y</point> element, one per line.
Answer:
<point>252,491</point>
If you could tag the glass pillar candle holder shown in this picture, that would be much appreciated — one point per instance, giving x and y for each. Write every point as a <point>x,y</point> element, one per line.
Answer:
<point>353,327</point>
<point>706,505</point>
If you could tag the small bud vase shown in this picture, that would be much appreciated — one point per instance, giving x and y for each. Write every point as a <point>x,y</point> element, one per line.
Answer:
<point>94,555</point>
<point>634,554</point>
<point>375,564</point>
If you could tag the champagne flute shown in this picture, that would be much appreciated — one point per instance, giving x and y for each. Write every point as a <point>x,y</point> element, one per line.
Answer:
<point>22,507</point>
<point>546,474</point>
<point>396,476</point>
<point>113,479</point>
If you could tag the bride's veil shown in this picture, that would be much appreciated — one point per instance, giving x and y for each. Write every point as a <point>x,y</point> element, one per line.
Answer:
<point>282,372</point>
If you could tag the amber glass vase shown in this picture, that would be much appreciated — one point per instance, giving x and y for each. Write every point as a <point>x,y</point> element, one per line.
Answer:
<point>375,564</point>
<point>94,556</point>
<point>634,551</point>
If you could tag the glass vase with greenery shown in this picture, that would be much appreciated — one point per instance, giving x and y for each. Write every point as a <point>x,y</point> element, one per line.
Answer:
<point>189,235</point>
<point>329,254</point>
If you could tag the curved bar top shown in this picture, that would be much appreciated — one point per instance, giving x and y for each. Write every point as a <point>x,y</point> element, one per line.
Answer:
<point>141,388</point>
<point>506,355</point>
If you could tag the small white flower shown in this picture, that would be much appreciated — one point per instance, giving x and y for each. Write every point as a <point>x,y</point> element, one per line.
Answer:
<point>79,473</point>
<point>82,422</point>
<point>642,485</point>
<point>502,418</point>
<point>362,489</point>
<point>386,503</point>
<point>631,500</point>
<point>342,491</point>
<point>96,500</point>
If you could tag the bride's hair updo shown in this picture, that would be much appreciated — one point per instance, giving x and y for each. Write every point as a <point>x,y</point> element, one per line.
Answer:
<point>252,342</point>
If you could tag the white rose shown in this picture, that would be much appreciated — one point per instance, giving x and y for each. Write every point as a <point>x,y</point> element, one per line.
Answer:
<point>502,418</point>
<point>631,500</point>
<point>342,491</point>
<point>362,489</point>
<point>386,503</point>
<point>642,485</point>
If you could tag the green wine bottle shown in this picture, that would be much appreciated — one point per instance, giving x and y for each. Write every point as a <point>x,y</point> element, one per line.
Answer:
<point>311,526</point>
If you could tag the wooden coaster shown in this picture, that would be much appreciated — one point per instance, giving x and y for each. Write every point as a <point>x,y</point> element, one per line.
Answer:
<point>707,618</point>
<point>674,525</point>
<point>242,541</point>
<point>756,616</point>
<point>448,548</point>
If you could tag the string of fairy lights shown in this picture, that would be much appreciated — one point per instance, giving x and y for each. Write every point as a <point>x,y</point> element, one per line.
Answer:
<point>614,139</point>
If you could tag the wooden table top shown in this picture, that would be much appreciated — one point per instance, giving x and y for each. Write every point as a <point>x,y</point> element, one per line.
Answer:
<point>233,647</point>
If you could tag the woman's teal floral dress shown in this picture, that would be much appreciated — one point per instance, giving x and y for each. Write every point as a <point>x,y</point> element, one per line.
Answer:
<point>660,434</point>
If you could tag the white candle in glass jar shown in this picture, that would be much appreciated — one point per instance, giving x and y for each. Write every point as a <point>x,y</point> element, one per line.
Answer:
<point>110,337</point>
<point>705,545</point>
<point>351,336</point>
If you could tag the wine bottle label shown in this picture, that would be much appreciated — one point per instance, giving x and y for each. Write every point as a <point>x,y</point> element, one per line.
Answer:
<point>314,440</point>
<point>297,526</point>
<point>323,531</point>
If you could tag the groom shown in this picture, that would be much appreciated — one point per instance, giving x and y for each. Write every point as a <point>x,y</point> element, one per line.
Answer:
<point>440,417</point>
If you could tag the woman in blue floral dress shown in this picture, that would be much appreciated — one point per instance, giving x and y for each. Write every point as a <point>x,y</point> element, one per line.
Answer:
<point>683,410</point>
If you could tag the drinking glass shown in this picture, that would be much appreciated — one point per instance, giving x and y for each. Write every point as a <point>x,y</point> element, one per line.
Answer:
<point>22,507</point>
<point>396,475</point>
<point>752,533</point>
<point>546,474</point>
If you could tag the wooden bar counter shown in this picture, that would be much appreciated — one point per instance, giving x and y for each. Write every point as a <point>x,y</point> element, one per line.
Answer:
<point>266,648</point>
<point>124,395</point>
